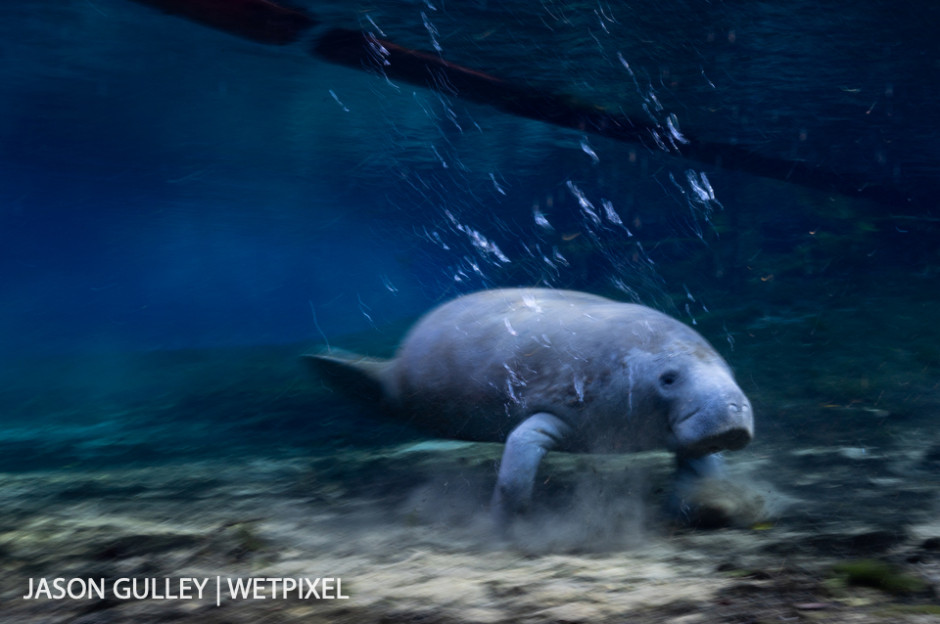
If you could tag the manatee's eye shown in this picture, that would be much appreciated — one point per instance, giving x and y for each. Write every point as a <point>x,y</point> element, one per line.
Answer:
<point>668,378</point>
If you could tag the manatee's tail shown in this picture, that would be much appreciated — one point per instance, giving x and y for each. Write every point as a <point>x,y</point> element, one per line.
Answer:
<point>354,375</point>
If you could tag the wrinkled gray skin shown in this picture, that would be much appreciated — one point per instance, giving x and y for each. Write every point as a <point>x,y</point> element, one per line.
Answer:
<point>543,369</point>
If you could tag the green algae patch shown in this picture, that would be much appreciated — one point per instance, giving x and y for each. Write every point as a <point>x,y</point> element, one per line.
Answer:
<point>880,575</point>
<point>901,610</point>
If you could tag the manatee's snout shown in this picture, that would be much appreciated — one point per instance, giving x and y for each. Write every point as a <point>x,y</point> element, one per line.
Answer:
<point>724,424</point>
<point>736,430</point>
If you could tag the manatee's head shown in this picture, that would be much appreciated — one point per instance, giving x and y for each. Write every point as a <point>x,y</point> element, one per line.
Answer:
<point>706,411</point>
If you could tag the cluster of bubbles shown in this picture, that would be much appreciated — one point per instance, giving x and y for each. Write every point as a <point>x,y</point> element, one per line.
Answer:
<point>574,233</point>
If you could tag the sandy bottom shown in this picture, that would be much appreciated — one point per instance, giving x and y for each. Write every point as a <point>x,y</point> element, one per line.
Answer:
<point>405,530</point>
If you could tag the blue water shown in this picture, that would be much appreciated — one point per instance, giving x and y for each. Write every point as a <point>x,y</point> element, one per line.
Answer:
<point>168,188</point>
<point>184,211</point>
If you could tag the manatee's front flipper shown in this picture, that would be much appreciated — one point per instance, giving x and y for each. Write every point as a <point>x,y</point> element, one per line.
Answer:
<point>525,448</point>
<point>691,469</point>
<point>691,472</point>
<point>704,497</point>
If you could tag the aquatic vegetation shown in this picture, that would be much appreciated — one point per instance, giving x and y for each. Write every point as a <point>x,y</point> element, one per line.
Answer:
<point>903,610</point>
<point>881,575</point>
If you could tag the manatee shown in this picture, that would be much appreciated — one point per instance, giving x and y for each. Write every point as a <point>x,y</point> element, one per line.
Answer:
<point>544,369</point>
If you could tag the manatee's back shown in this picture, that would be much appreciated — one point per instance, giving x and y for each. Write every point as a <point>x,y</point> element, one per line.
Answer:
<point>476,366</point>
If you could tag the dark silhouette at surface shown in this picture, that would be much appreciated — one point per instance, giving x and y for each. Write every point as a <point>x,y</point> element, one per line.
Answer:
<point>269,23</point>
